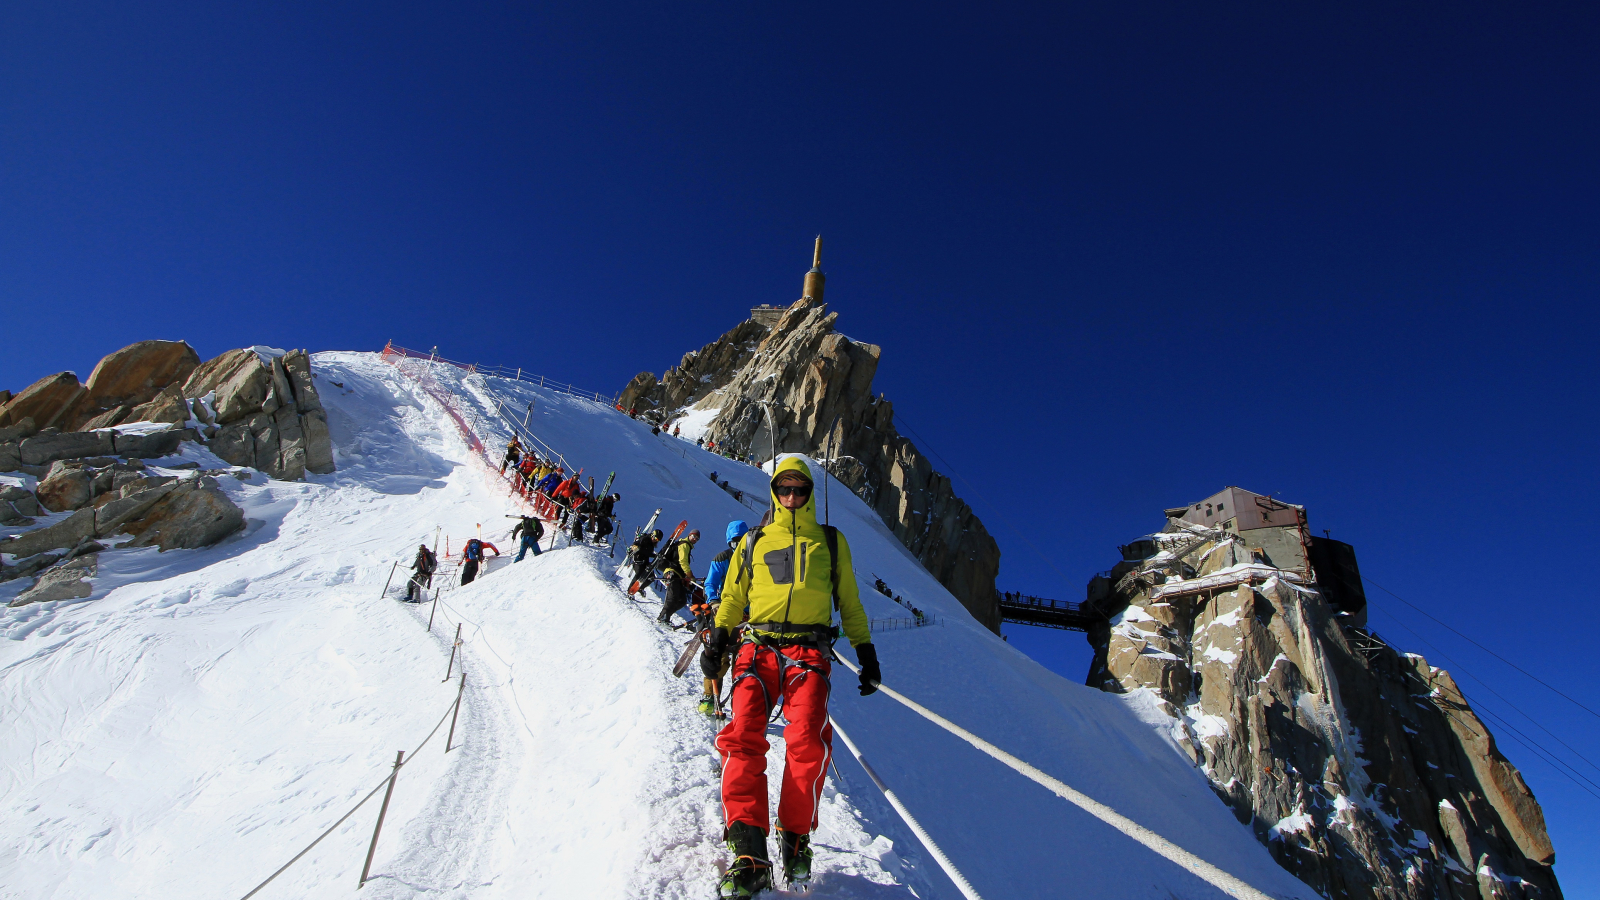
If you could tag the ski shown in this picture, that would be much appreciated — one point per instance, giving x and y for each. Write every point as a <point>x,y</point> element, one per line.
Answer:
<point>636,587</point>
<point>682,665</point>
<point>647,526</point>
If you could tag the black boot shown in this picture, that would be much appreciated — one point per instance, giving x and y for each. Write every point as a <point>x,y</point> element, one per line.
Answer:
<point>796,858</point>
<point>751,872</point>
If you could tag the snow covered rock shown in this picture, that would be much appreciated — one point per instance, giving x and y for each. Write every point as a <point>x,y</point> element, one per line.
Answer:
<point>68,581</point>
<point>1365,772</point>
<point>782,388</point>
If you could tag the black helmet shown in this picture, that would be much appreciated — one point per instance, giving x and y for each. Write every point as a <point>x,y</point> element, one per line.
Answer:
<point>615,497</point>
<point>656,534</point>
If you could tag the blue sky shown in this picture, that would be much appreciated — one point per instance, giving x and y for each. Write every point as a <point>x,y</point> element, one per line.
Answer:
<point>1118,256</point>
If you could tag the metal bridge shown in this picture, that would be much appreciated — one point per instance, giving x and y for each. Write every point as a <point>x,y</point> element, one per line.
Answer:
<point>1021,609</point>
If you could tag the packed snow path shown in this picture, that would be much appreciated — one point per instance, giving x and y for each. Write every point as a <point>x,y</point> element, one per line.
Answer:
<point>205,714</point>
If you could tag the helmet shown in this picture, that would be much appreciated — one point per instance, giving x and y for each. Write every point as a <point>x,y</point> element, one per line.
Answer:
<point>615,498</point>
<point>737,529</point>
<point>694,534</point>
<point>656,534</point>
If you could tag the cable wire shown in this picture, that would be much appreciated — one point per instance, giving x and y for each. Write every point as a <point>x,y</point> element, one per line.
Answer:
<point>1479,646</point>
<point>1481,709</point>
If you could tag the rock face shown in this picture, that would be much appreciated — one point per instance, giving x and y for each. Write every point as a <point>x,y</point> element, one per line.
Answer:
<point>270,417</point>
<point>1364,771</point>
<point>193,514</point>
<point>807,375</point>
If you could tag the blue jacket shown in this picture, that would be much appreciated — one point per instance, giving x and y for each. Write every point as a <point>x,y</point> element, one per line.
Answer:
<point>716,574</point>
<point>549,482</point>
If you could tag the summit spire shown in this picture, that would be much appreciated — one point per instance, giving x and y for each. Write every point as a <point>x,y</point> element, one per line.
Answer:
<point>814,279</point>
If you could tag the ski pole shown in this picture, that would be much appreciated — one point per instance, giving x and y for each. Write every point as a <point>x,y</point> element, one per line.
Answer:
<point>392,567</point>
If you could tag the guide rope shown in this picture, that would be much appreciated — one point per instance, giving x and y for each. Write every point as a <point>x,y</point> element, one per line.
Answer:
<point>1217,878</point>
<point>361,803</point>
<point>961,882</point>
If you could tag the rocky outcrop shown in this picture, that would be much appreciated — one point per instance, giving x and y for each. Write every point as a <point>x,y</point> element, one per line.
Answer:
<point>259,412</point>
<point>173,514</point>
<point>1364,771</point>
<point>701,372</point>
<point>783,388</point>
<point>44,401</point>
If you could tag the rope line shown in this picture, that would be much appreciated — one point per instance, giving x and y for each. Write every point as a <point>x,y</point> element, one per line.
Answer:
<point>1217,878</point>
<point>369,796</point>
<point>961,882</point>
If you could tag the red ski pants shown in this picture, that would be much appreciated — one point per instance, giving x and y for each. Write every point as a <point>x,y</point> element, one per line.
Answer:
<point>808,738</point>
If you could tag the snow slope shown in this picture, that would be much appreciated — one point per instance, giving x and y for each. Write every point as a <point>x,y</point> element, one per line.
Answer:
<point>205,714</point>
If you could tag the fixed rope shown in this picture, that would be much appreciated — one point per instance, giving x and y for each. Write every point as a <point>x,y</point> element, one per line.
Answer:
<point>961,882</point>
<point>373,793</point>
<point>1217,878</point>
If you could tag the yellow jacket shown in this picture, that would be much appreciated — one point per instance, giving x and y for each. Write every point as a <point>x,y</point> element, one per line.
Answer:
<point>790,576</point>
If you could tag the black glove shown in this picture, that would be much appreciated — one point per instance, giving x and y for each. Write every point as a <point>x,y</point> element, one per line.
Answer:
<point>711,657</point>
<point>867,655</point>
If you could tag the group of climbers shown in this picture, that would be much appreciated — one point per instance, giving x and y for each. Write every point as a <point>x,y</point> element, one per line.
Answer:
<point>560,497</point>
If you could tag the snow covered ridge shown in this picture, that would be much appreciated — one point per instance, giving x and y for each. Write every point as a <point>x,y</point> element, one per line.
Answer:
<point>206,713</point>
<point>1364,771</point>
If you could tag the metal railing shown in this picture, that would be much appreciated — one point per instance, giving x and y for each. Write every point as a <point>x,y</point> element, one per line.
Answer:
<point>515,374</point>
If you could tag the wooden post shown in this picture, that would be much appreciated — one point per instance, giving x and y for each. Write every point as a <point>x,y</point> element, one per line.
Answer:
<point>392,566</point>
<point>433,609</point>
<point>451,667</point>
<point>453,715</point>
<point>399,760</point>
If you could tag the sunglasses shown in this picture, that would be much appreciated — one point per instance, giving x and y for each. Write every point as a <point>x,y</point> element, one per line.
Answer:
<point>798,490</point>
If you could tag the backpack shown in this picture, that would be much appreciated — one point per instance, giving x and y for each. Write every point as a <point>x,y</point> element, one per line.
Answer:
<point>474,549</point>
<point>669,558</point>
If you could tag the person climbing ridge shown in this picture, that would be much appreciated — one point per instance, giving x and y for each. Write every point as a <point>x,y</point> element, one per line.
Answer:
<point>513,453</point>
<point>422,569</point>
<point>603,513</point>
<point>644,550</point>
<point>678,575</point>
<point>584,509</point>
<point>705,618</point>
<point>792,574</point>
<point>531,530</point>
<point>472,555</point>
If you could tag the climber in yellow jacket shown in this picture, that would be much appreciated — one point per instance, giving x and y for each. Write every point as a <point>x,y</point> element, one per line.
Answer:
<point>786,575</point>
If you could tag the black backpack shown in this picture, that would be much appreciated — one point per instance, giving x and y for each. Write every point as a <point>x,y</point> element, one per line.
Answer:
<point>669,558</point>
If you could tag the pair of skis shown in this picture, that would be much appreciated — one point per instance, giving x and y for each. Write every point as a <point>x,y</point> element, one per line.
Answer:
<point>647,526</point>
<point>661,554</point>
